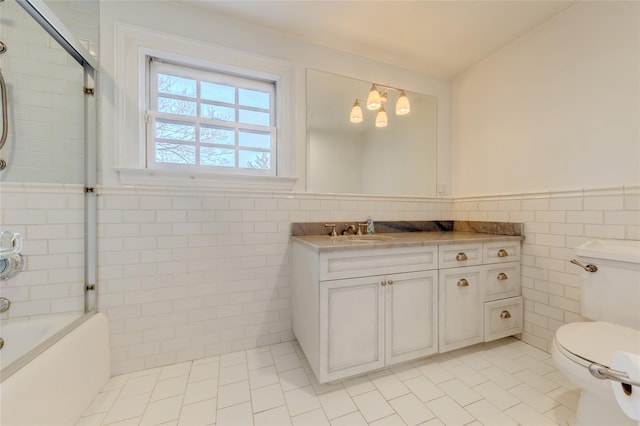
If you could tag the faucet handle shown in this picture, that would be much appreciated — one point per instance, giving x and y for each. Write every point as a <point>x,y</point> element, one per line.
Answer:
<point>360,225</point>
<point>333,228</point>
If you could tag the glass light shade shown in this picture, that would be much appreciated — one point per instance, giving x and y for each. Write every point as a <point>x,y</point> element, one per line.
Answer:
<point>402,105</point>
<point>381,118</point>
<point>356,113</point>
<point>373,100</point>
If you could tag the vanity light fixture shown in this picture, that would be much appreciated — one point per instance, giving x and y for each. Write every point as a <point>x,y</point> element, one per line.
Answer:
<point>378,95</point>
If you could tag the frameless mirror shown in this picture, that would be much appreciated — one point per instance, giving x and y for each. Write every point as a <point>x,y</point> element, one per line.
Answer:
<point>360,158</point>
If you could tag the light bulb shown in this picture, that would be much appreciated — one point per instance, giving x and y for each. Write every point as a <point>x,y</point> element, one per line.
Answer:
<point>356,113</point>
<point>381,118</point>
<point>402,105</point>
<point>373,100</point>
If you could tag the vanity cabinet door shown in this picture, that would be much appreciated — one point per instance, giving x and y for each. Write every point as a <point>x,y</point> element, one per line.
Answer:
<point>411,316</point>
<point>351,327</point>
<point>461,310</point>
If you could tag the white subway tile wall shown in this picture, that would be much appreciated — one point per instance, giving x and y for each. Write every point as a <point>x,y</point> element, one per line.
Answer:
<point>555,224</point>
<point>50,219</point>
<point>44,87</point>
<point>186,274</point>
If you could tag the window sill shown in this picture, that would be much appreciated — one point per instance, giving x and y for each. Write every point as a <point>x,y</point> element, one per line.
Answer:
<point>148,177</point>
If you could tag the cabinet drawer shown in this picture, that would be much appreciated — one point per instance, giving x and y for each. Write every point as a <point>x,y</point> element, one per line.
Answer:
<point>501,281</point>
<point>453,256</point>
<point>502,251</point>
<point>366,263</point>
<point>502,318</point>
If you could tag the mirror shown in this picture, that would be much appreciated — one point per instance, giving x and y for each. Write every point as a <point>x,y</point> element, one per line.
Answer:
<point>359,158</point>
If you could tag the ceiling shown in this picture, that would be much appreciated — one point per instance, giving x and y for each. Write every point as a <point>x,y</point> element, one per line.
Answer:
<point>441,38</point>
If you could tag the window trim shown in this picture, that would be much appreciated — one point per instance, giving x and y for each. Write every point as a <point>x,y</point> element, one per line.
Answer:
<point>133,45</point>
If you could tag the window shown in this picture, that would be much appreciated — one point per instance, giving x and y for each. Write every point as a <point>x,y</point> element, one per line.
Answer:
<point>202,120</point>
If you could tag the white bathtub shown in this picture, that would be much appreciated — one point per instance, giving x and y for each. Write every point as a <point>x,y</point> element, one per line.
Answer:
<point>57,385</point>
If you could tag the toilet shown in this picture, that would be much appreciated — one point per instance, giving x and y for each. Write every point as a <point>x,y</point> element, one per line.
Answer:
<point>610,299</point>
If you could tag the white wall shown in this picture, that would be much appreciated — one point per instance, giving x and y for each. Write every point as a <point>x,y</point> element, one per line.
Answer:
<point>537,126</point>
<point>559,108</point>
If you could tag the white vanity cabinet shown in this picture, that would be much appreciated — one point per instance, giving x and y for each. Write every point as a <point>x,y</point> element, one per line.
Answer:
<point>359,310</point>
<point>479,293</point>
<point>356,309</point>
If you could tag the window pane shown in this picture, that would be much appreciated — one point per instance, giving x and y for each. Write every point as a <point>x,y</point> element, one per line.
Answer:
<point>175,153</point>
<point>254,117</point>
<point>210,156</point>
<point>177,106</point>
<point>254,160</point>
<point>254,98</point>
<point>217,111</point>
<point>176,85</point>
<point>219,135</point>
<point>255,139</point>
<point>218,92</point>
<point>175,130</point>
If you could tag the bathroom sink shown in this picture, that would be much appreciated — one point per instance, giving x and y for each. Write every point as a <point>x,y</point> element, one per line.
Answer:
<point>361,238</point>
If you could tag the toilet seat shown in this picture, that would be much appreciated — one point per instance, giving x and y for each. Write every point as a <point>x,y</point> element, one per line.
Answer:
<point>595,342</point>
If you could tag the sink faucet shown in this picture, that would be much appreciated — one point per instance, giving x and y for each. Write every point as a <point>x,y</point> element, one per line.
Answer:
<point>349,229</point>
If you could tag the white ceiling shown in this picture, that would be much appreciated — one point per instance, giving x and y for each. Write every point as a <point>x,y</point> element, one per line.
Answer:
<point>441,38</point>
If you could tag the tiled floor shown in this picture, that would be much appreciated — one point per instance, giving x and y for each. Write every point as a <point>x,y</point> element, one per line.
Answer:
<point>505,382</point>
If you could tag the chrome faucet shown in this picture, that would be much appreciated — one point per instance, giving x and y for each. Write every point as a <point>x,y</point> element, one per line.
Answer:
<point>349,229</point>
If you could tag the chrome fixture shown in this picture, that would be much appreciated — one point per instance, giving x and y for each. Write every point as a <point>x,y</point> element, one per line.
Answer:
<point>378,95</point>
<point>588,268</point>
<point>333,229</point>
<point>349,229</point>
<point>602,372</point>
<point>5,304</point>
<point>11,259</point>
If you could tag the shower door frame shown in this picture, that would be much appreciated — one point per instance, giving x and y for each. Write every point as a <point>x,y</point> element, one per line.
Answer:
<point>39,11</point>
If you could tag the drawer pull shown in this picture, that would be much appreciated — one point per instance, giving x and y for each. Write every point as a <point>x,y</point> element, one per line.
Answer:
<point>502,253</point>
<point>463,283</point>
<point>383,283</point>
<point>461,256</point>
<point>390,282</point>
<point>502,276</point>
<point>505,315</point>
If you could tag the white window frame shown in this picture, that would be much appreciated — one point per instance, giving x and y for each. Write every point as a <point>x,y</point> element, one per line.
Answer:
<point>156,66</point>
<point>134,45</point>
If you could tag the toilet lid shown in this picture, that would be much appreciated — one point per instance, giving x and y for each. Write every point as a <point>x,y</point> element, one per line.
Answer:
<point>597,341</point>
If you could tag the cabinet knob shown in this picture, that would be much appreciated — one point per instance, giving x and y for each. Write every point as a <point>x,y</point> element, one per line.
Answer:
<point>462,282</point>
<point>461,256</point>
<point>505,315</point>
<point>502,253</point>
<point>390,282</point>
<point>502,276</point>
<point>383,283</point>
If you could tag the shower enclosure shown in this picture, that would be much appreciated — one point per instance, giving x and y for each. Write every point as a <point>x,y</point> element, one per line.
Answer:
<point>47,186</point>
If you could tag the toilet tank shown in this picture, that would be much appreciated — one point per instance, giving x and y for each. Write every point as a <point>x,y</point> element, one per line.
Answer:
<point>612,293</point>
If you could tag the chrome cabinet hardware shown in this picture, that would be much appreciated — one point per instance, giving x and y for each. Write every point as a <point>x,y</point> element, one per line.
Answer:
<point>505,314</point>
<point>462,282</point>
<point>461,257</point>
<point>502,276</point>
<point>588,268</point>
<point>502,253</point>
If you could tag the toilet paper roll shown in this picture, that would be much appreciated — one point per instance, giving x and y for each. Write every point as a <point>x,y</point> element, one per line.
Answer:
<point>628,397</point>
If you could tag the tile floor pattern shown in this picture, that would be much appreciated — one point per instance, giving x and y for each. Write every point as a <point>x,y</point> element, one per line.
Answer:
<point>505,382</point>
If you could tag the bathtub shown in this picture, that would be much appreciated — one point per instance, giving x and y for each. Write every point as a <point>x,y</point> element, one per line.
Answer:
<point>62,379</point>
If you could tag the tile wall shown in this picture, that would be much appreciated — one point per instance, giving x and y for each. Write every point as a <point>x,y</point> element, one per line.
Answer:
<point>50,219</point>
<point>556,223</point>
<point>186,273</point>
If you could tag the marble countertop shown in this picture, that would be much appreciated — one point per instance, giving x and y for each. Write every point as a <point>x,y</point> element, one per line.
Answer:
<point>324,243</point>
